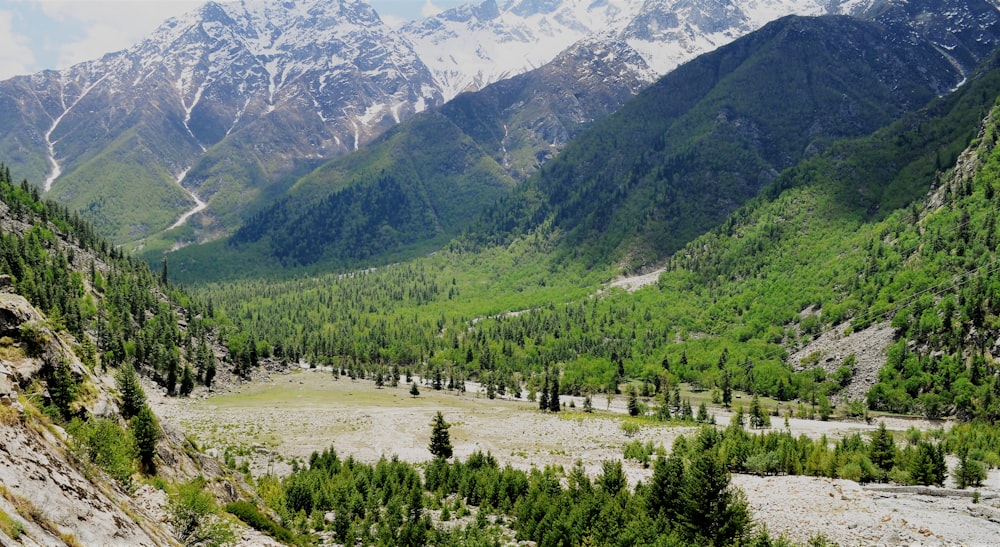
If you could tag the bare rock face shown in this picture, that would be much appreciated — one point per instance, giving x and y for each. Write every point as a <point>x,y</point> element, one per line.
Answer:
<point>15,311</point>
<point>53,500</point>
<point>43,487</point>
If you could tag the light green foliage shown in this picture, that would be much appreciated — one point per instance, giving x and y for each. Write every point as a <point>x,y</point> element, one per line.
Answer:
<point>638,451</point>
<point>123,196</point>
<point>195,517</point>
<point>108,446</point>
<point>968,472</point>
<point>630,428</point>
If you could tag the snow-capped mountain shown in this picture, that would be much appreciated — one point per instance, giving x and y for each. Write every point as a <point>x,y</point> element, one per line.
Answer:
<point>222,99</point>
<point>471,46</point>
<point>220,110</point>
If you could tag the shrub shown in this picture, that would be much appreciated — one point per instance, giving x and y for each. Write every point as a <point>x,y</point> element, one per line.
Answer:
<point>108,446</point>
<point>249,514</point>
<point>193,512</point>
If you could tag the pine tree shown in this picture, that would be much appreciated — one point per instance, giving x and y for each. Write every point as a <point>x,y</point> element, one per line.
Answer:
<point>62,386</point>
<point>554,405</point>
<point>882,450</point>
<point>663,496</point>
<point>133,396</point>
<point>163,273</point>
<point>927,467</point>
<point>727,389</point>
<point>210,373</point>
<point>703,413</point>
<point>633,402</point>
<point>146,432</point>
<point>414,390</point>
<point>440,445</point>
<point>437,382</point>
<point>187,382</point>
<point>756,413</point>
<point>709,508</point>
<point>968,472</point>
<point>686,413</point>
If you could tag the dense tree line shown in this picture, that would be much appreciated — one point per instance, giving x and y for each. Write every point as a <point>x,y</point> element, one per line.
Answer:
<point>688,501</point>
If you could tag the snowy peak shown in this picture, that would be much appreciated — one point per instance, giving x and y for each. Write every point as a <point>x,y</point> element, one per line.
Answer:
<point>471,46</point>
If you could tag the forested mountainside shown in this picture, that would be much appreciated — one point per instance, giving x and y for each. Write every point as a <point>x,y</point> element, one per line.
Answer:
<point>229,104</point>
<point>428,178</point>
<point>818,250</point>
<point>631,188</point>
<point>692,148</point>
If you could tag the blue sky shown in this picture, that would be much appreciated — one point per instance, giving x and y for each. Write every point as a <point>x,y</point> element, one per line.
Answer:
<point>40,34</point>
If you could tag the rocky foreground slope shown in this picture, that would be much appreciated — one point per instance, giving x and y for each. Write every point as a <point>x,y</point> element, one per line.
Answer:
<point>62,421</point>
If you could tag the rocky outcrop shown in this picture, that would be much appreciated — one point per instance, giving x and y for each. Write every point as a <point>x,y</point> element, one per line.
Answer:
<point>50,496</point>
<point>54,501</point>
<point>48,492</point>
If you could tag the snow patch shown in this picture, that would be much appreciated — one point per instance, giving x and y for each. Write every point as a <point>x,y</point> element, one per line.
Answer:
<point>199,205</point>
<point>55,168</point>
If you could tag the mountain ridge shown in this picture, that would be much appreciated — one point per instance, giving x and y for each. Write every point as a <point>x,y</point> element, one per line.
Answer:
<point>223,105</point>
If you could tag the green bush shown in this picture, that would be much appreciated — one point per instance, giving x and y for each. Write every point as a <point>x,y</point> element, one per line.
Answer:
<point>108,446</point>
<point>194,515</point>
<point>249,514</point>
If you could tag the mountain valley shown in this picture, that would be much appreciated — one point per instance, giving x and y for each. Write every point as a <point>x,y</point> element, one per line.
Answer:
<point>673,272</point>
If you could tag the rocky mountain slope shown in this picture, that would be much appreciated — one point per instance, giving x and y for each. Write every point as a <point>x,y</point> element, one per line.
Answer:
<point>83,461</point>
<point>223,108</point>
<point>223,100</point>
<point>520,123</point>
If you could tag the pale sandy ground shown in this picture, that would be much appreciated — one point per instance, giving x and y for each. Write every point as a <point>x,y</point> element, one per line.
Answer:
<point>295,414</point>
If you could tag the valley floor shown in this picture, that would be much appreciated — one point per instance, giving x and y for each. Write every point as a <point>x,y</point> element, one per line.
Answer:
<point>268,423</point>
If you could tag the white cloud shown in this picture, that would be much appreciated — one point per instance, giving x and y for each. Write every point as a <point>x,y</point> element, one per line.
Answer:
<point>392,20</point>
<point>108,25</point>
<point>429,9</point>
<point>16,56</point>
